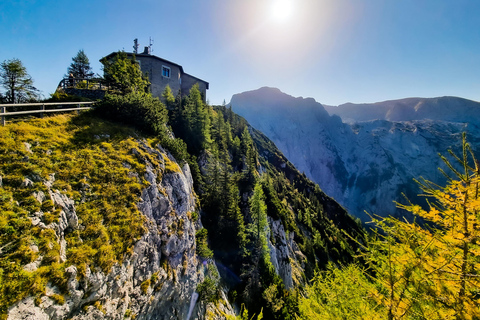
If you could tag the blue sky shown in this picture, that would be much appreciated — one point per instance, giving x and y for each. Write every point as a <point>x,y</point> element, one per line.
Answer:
<point>335,51</point>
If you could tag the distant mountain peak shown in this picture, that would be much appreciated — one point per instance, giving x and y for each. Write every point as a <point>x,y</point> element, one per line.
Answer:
<point>270,101</point>
<point>447,108</point>
<point>368,161</point>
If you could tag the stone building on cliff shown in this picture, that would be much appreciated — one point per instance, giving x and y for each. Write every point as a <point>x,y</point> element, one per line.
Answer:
<point>162,72</point>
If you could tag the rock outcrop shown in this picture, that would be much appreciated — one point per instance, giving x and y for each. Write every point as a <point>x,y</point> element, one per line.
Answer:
<point>285,255</point>
<point>155,281</point>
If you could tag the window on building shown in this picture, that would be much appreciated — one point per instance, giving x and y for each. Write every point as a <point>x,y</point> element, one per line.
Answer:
<point>165,72</point>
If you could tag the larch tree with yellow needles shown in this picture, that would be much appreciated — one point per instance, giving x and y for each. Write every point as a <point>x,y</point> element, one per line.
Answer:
<point>455,213</point>
<point>432,272</point>
<point>427,270</point>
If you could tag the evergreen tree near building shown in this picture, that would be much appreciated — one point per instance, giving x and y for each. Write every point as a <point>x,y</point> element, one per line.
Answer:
<point>196,120</point>
<point>124,74</point>
<point>80,67</point>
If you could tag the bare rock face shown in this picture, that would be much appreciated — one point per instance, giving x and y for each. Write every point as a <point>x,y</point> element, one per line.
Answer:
<point>285,255</point>
<point>364,156</point>
<point>156,281</point>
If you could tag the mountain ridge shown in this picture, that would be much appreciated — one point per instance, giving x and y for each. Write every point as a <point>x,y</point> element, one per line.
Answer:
<point>364,163</point>
<point>446,108</point>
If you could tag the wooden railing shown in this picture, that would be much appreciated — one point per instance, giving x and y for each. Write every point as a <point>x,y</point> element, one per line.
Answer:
<point>42,108</point>
<point>84,83</point>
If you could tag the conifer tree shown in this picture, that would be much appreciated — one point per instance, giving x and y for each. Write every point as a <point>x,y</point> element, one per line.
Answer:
<point>17,82</point>
<point>124,74</point>
<point>197,120</point>
<point>258,212</point>
<point>249,154</point>
<point>453,248</point>
<point>80,67</point>
<point>340,294</point>
<point>428,271</point>
<point>168,98</point>
<point>239,223</point>
<point>173,108</point>
<point>175,111</point>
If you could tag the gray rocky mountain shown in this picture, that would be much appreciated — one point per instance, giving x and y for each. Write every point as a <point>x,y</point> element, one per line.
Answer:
<point>364,156</point>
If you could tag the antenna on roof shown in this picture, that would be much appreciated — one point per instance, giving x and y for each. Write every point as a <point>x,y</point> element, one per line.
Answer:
<point>150,45</point>
<point>135,45</point>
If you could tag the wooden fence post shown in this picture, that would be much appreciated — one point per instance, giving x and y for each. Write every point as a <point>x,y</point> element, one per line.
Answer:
<point>3,111</point>
<point>43,108</point>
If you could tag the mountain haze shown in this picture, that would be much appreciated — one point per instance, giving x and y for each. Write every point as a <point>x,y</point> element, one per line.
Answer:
<point>364,156</point>
<point>450,109</point>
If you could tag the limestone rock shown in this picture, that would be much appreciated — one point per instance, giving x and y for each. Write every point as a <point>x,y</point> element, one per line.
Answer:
<point>28,147</point>
<point>68,215</point>
<point>26,183</point>
<point>156,281</point>
<point>27,310</point>
<point>40,196</point>
<point>281,252</point>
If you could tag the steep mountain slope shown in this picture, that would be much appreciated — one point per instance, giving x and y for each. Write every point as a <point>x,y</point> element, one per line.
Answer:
<point>95,224</point>
<point>367,163</point>
<point>99,221</point>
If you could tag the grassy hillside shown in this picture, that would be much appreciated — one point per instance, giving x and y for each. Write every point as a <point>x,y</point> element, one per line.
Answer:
<point>90,160</point>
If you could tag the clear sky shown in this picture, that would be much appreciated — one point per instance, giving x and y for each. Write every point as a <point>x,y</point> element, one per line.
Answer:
<point>335,51</point>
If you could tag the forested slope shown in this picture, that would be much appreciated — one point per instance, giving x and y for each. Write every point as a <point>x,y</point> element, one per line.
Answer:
<point>131,210</point>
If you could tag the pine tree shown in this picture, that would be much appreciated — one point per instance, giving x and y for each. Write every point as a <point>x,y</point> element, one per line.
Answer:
<point>175,111</point>
<point>197,121</point>
<point>239,222</point>
<point>250,155</point>
<point>428,271</point>
<point>340,294</point>
<point>124,74</point>
<point>168,98</point>
<point>80,67</point>
<point>258,212</point>
<point>17,82</point>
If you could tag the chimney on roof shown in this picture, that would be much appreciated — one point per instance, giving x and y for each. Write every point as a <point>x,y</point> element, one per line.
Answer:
<point>146,50</point>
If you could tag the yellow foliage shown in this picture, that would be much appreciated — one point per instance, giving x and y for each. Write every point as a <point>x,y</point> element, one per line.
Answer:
<point>414,272</point>
<point>443,261</point>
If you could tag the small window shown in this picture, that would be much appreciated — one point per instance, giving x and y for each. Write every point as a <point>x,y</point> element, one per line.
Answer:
<point>165,72</point>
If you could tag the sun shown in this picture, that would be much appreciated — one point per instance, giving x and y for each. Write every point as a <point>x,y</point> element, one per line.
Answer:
<point>281,10</point>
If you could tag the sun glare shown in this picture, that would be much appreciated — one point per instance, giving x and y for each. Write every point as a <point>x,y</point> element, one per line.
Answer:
<point>281,10</point>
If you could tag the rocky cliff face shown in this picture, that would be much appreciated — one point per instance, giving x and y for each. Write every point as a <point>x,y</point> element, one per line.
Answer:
<point>367,163</point>
<point>156,281</point>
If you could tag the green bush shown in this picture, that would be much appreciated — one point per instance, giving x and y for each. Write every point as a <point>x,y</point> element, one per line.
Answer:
<point>140,110</point>
<point>47,205</point>
<point>177,147</point>
<point>61,96</point>
<point>208,290</point>
<point>202,246</point>
<point>145,285</point>
<point>59,299</point>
